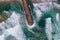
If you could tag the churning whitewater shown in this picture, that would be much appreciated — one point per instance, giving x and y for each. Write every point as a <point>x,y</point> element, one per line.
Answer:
<point>12,27</point>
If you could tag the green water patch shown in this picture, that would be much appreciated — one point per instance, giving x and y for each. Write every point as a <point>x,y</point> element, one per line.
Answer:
<point>10,37</point>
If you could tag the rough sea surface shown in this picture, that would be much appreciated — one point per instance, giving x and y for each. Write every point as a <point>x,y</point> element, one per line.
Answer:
<point>46,24</point>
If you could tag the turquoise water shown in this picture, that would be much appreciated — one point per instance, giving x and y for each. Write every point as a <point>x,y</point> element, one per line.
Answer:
<point>45,26</point>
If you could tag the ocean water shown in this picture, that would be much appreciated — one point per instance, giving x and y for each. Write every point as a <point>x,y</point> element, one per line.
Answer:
<point>45,27</point>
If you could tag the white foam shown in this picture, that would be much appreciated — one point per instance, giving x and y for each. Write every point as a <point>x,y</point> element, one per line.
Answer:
<point>14,30</point>
<point>48,28</point>
<point>57,17</point>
